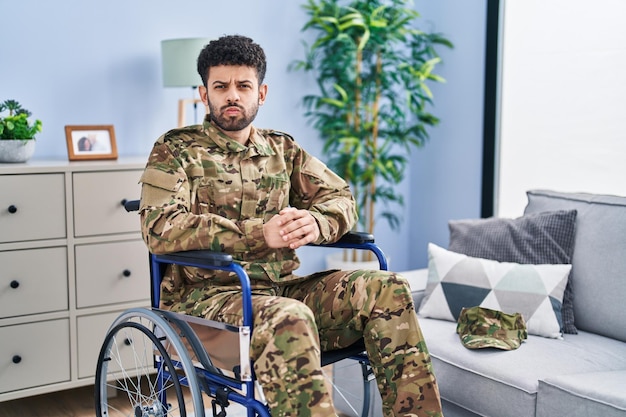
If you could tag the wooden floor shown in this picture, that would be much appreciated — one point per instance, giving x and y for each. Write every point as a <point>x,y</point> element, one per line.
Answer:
<point>77,402</point>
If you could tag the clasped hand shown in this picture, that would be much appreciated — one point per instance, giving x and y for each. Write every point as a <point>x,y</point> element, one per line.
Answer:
<point>291,228</point>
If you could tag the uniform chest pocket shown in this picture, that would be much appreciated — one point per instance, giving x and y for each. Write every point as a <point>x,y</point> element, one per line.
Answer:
<point>219,196</point>
<point>273,192</point>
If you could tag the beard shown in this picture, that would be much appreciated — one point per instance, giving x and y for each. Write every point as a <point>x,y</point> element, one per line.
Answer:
<point>232,123</point>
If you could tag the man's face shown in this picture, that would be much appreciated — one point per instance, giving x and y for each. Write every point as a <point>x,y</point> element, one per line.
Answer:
<point>233,96</point>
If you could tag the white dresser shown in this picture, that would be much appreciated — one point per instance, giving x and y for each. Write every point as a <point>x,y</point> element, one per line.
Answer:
<point>71,259</point>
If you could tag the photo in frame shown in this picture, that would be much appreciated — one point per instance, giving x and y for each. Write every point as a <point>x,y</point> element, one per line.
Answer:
<point>90,142</point>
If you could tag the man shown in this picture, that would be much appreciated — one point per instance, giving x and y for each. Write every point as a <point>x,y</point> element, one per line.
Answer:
<point>257,195</point>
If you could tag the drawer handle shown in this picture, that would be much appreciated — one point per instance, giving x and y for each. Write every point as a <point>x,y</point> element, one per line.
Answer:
<point>14,284</point>
<point>16,359</point>
<point>128,342</point>
<point>126,273</point>
<point>12,209</point>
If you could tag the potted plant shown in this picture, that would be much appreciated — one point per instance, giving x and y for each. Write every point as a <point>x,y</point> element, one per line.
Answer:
<point>372,67</point>
<point>17,134</point>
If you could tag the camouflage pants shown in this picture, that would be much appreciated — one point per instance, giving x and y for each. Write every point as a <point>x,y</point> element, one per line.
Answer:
<point>333,310</point>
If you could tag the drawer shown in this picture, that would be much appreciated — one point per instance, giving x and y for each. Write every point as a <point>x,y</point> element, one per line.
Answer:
<point>33,274</point>
<point>98,197</point>
<point>34,354</point>
<point>109,273</point>
<point>32,207</point>
<point>91,331</point>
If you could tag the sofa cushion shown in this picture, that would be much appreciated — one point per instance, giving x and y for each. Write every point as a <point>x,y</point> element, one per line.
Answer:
<point>582,395</point>
<point>598,276</point>
<point>537,238</point>
<point>456,281</point>
<point>502,383</point>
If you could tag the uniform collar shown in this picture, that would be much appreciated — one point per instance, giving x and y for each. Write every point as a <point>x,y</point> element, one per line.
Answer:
<point>258,144</point>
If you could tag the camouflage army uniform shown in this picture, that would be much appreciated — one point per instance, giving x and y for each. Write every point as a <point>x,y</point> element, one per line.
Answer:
<point>202,190</point>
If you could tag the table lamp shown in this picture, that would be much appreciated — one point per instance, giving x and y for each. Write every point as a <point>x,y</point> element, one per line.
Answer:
<point>179,61</point>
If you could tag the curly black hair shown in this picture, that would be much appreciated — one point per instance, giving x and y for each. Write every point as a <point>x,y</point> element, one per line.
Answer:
<point>232,50</point>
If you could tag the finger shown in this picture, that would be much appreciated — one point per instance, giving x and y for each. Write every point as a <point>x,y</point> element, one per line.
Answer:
<point>297,227</point>
<point>286,215</point>
<point>305,240</point>
<point>287,210</point>
<point>293,231</point>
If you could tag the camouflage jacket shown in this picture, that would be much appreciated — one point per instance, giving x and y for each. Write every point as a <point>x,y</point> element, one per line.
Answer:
<point>202,190</point>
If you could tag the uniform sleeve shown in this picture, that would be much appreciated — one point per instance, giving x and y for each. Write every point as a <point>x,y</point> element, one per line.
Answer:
<point>326,195</point>
<point>168,223</point>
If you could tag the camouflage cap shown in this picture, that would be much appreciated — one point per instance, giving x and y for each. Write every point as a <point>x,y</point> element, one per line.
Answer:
<point>480,327</point>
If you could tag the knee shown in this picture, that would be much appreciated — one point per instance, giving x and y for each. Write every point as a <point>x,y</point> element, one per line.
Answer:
<point>297,314</point>
<point>396,287</point>
<point>391,281</point>
<point>401,283</point>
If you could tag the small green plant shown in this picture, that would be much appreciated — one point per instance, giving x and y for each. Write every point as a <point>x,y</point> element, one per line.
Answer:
<point>16,125</point>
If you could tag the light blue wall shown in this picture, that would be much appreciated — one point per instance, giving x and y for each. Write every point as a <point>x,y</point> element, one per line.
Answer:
<point>446,175</point>
<point>78,62</point>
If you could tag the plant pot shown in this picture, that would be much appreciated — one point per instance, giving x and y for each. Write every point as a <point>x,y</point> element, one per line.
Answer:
<point>336,261</point>
<point>16,150</point>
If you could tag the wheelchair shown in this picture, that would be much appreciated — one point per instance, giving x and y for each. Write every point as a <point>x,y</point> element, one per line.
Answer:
<point>157,363</point>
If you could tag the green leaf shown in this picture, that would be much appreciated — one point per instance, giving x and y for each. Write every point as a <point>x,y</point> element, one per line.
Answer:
<point>371,115</point>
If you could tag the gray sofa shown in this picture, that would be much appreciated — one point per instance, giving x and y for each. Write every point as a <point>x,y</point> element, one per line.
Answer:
<point>581,374</point>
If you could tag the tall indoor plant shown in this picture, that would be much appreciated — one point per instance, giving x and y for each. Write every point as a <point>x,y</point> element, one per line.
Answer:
<point>17,133</point>
<point>372,65</point>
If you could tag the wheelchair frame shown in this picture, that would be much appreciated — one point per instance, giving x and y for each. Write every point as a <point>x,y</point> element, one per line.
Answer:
<point>172,339</point>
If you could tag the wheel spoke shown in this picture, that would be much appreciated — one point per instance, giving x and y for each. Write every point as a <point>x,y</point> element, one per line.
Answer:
<point>135,364</point>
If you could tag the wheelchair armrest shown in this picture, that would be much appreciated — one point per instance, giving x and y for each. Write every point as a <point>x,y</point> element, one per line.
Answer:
<point>356,238</point>
<point>197,258</point>
<point>360,241</point>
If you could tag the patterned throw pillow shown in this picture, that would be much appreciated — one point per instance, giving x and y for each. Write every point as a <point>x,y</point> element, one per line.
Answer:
<point>456,281</point>
<point>538,238</point>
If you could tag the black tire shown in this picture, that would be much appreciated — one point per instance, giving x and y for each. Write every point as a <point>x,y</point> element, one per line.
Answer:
<point>142,381</point>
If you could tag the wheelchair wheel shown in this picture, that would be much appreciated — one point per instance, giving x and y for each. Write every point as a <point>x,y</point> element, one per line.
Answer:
<point>352,387</point>
<point>143,370</point>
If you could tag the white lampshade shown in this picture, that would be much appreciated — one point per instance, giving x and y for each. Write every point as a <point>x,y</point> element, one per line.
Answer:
<point>179,60</point>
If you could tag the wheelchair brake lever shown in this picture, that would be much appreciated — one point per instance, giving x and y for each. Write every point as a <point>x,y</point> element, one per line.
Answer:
<point>221,399</point>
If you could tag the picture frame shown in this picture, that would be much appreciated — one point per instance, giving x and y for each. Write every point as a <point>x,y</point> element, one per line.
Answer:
<point>90,142</point>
